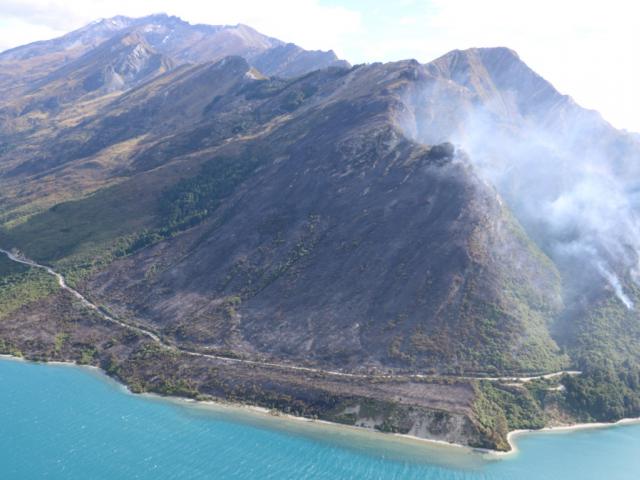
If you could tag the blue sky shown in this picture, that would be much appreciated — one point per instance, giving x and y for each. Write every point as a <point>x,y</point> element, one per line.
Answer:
<point>588,48</point>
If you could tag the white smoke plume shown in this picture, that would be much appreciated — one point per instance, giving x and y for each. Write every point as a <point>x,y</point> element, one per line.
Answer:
<point>572,180</point>
<point>615,284</point>
<point>574,184</point>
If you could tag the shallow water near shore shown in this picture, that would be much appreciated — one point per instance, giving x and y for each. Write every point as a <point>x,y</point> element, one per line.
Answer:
<point>64,422</point>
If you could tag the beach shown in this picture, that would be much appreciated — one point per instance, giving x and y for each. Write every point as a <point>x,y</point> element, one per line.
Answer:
<point>288,422</point>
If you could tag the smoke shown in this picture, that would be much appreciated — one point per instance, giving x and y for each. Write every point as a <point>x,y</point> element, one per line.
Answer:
<point>572,185</point>
<point>572,180</point>
<point>615,284</point>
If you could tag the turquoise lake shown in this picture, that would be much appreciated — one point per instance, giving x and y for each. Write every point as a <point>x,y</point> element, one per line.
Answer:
<point>63,422</point>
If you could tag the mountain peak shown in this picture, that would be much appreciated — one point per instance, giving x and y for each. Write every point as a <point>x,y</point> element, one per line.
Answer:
<point>494,52</point>
<point>123,21</point>
<point>491,61</point>
<point>497,73</point>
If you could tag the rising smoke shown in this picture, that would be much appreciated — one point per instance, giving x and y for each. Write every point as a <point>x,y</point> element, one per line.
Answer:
<point>572,185</point>
<point>572,180</point>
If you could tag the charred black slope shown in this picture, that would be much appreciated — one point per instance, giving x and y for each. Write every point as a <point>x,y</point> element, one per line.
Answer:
<point>339,241</point>
<point>345,243</point>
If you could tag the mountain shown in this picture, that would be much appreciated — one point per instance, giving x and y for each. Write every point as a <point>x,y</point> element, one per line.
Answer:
<point>169,36</point>
<point>116,54</point>
<point>363,201</point>
<point>115,65</point>
<point>584,213</point>
<point>362,244</point>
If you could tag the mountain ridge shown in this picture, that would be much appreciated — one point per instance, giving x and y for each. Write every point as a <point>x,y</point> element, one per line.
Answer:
<point>392,217</point>
<point>190,43</point>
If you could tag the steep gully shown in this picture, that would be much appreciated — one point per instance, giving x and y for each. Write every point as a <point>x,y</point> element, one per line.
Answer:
<point>18,258</point>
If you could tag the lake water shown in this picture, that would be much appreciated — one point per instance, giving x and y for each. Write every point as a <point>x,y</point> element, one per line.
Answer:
<point>62,422</point>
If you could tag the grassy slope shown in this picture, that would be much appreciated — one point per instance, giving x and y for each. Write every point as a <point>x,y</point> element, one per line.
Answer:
<point>81,227</point>
<point>20,285</point>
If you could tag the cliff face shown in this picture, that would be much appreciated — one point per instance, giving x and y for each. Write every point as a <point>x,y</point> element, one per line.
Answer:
<point>388,221</point>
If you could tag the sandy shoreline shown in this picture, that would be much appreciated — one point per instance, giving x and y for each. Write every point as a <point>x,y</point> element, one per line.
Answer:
<point>222,406</point>
<point>276,416</point>
<point>512,435</point>
<point>231,407</point>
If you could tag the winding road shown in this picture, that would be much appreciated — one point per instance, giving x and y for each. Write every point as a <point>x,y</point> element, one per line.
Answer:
<point>18,258</point>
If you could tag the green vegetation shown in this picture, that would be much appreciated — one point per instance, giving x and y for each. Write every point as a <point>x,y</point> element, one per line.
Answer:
<point>82,228</point>
<point>521,410</point>
<point>59,341</point>
<point>607,350</point>
<point>191,200</point>
<point>503,407</point>
<point>88,356</point>
<point>9,268</point>
<point>20,286</point>
<point>85,235</point>
<point>491,417</point>
<point>604,393</point>
<point>532,296</point>
<point>81,266</point>
<point>7,348</point>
